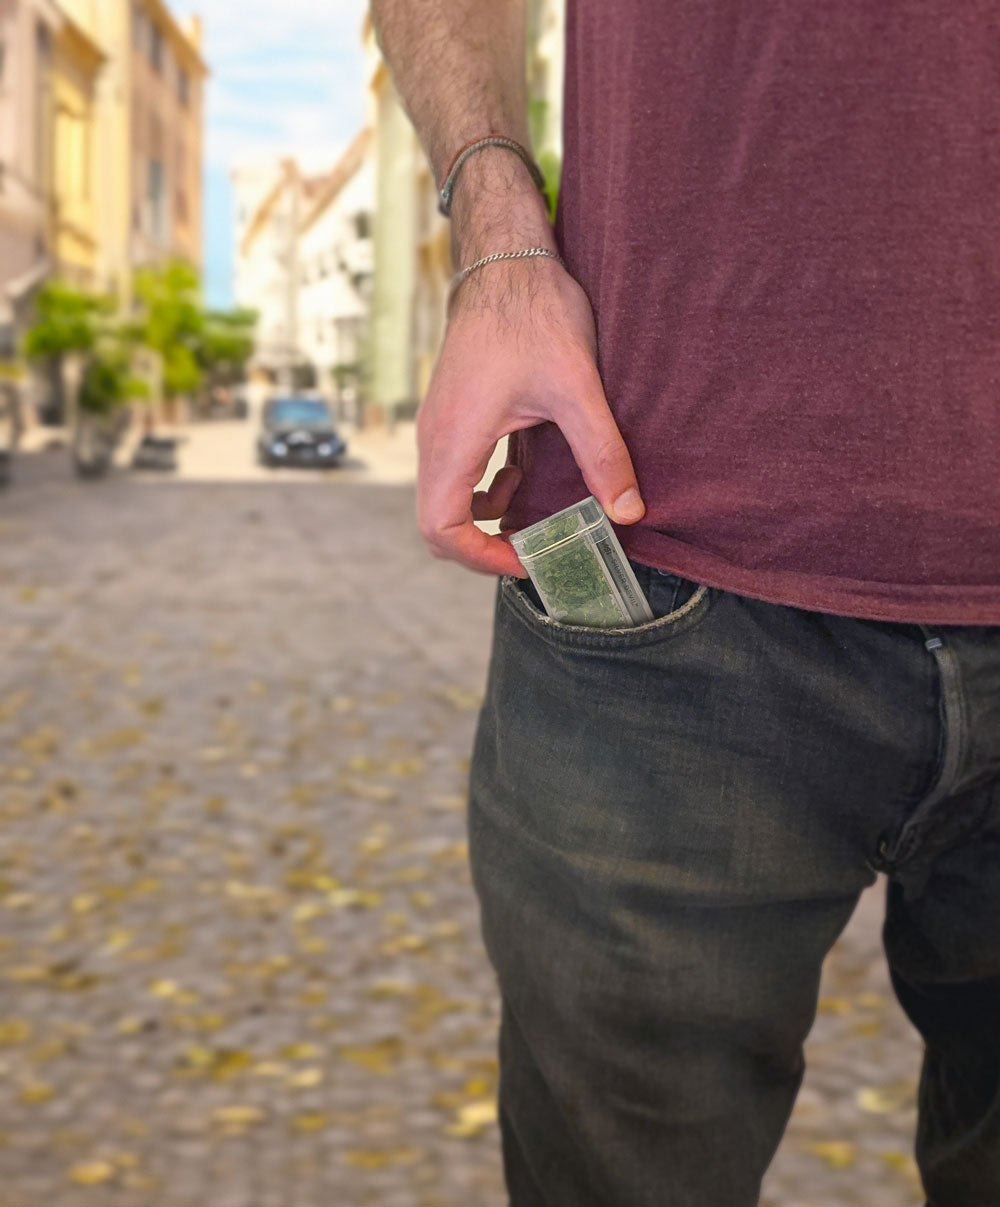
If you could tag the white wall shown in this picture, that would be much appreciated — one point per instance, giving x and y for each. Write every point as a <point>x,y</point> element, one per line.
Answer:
<point>335,250</point>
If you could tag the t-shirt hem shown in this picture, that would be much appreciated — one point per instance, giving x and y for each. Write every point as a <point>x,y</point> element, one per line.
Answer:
<point>907,603</point>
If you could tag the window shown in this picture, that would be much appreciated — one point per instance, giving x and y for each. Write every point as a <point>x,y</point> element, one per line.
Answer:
<point>180,175</point>
<point>183,86</point>
<point>139,30</point>
<point>157,209</point>
<point>362,226</point>
<point>83,137</point>
<point>156,49</point>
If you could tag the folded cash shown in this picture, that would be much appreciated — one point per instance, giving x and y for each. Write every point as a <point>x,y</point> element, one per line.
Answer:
<point>579,569</point>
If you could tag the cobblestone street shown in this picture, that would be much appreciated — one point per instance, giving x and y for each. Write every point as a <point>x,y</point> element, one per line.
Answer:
<point>240,963</point>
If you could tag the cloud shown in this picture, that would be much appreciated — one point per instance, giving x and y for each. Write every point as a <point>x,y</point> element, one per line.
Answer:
<point>287,78</point>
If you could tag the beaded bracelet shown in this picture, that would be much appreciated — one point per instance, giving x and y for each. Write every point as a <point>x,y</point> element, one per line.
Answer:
<point>459,277</point>
<point>478,144</point>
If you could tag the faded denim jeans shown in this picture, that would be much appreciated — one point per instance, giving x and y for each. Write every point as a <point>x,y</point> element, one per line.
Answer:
<point>670,825</point>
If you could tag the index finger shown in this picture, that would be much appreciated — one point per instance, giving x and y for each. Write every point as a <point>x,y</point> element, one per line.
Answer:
<point>444,506</point>
<point>477,550</point>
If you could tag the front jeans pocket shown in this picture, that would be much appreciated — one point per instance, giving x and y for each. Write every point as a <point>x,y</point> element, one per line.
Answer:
<point>676,603</point>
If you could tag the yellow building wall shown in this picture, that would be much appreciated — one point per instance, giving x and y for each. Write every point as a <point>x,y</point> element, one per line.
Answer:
<point>77,63</point>
<point>138,116</point>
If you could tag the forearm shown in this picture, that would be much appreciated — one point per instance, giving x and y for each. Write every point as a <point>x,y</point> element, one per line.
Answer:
<point>459,69</point>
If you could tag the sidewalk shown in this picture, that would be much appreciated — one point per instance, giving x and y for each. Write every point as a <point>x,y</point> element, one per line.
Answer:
<point>241,950</point>
<point>224,451</point>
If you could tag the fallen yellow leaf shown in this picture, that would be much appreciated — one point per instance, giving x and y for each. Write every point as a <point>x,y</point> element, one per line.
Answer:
<point>838,1154</point>
<point>310,1121</point>
<point>878,1101</point>
<point>305,1079</point>
<point>91,1173</point>
<point>238,1116</point>
<point>473,1117</point>
<point>378,1058</point>
<point>36,1091</point>
<point>299,1051</point>
<point>379,1158</point>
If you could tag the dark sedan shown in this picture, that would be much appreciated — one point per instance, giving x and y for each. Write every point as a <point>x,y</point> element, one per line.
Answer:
<point>299,431</point>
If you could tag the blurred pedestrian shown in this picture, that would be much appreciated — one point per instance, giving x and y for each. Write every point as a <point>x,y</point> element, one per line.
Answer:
<point>765,332</point>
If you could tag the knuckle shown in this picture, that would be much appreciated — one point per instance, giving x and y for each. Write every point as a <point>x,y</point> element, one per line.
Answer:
<point>433,539</point>
<point>428,532</point>
<point>606,454</point>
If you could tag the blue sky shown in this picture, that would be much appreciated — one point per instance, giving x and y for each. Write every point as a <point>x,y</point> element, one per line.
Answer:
<point>287,78</point>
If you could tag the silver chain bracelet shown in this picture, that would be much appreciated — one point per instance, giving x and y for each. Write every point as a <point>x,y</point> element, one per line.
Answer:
<point>524,253</point>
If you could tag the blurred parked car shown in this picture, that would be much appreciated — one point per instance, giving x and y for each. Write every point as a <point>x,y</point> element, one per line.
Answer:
<point>297,430</point>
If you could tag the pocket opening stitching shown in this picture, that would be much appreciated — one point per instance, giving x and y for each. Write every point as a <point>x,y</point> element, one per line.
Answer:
<point>572,632</point>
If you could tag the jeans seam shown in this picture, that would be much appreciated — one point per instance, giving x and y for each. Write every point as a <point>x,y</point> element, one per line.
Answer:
<point>950,756</point>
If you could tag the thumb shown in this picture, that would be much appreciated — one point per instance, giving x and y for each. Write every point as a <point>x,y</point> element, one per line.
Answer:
<point>604,461</point>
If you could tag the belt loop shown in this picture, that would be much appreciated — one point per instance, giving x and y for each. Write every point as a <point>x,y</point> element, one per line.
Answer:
<point>931,640</point>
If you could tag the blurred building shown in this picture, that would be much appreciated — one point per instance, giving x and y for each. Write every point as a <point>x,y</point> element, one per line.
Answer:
<point>150,119</point>
<point>546,21</point>
<point>270,208</point>
<point>77,64</point>
<point>101,120</point>
<point>411,239</point>
<point>335,271</point>
<point>411,249</point>
<point>27,32</point>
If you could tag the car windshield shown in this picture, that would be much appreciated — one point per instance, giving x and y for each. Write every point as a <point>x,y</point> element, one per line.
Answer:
<point>299,412</point>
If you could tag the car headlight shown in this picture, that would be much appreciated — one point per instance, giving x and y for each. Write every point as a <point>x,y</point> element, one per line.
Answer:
<point>279,449</point>
<point>325,449</point>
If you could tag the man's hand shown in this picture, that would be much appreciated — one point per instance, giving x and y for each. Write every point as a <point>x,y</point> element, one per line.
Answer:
<point>520,349</point>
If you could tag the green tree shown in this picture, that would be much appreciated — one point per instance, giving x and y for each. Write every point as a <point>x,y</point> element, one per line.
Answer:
<point>225,344</point>
<point>107,381</point>
<point>73,322</point>
<point>548,160</point>
<point>170,322</point>
<point>66,320</point>
<point>551,167</point>
<point>196,347</point>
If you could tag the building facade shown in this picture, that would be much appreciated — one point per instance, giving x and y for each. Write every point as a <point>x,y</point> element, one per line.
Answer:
<point>150,119</point>
<point>546,30</point>
<point>27,33</point>
<point>77,64</point>
<point>101,116</point>
<point>267,266</point>
<point>335,271</point>
<point>393,356</point>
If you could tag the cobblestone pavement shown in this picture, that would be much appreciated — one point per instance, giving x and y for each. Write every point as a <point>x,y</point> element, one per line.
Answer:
<point>239,957</point>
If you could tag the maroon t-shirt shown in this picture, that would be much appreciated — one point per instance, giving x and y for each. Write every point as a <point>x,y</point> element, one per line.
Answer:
<point>787,218</point>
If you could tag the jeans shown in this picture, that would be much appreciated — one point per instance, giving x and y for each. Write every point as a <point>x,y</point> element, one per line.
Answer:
<point>670,825</point>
